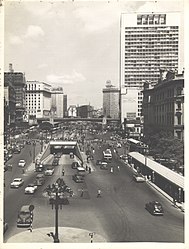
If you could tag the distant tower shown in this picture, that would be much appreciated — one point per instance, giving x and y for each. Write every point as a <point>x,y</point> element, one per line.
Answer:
<point>110,100</point>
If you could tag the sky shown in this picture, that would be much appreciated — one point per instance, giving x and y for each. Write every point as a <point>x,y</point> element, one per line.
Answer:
<point>71,44</point>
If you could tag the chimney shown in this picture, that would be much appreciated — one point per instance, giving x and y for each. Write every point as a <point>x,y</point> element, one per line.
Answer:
<point>10,68</point>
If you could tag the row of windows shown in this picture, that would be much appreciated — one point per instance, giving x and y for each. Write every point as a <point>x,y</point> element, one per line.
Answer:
<point>144,51</point>
<point>169,107</point>
<point>153,28</point>
<point>164,119</point>
<point>32,87</point>
<point>152,37</point>
<point>33,95</point>
<point>174,44</point>
<point>150,40</point>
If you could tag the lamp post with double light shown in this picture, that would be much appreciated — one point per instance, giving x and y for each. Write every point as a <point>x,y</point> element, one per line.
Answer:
<point>56,199</point>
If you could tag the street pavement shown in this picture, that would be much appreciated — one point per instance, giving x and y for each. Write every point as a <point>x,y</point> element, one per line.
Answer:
<point>119,216</point>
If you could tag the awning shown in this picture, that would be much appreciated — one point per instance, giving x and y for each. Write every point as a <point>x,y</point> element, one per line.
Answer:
<point>159,169</point>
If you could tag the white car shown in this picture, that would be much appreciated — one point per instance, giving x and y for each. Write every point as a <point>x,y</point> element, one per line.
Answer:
<point>139,178</point>
<point>22,163</point>
<point>49,171</point>
<point>17,182</point>
<point>30,189</point>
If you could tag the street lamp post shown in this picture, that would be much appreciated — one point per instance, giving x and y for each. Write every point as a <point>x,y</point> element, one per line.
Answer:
<point>56,239</point>
<point>41,145</point>
<point>57,201</point>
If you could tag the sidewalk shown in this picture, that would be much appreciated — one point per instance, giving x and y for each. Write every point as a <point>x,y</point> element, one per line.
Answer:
<point>177,205</point>
<point>89,164</point>
<point>66,235</point>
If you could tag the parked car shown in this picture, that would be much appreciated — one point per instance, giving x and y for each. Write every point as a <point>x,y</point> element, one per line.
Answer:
<point>78,178</point>
<point>9,155</point>
<point>40,179</point>
<point>22,163</point>
<point>5,226</point>
<point>139,178</point>
<point>124,157</point>
<point>49,171</point>
<point>75,165</point>
<point>71,155</point>
<point>25,217</point>
<point>17,182</point>
<point>39,167</point>
<point>154,207</point>
<point>7,167</point>
<point>30,189</point>
<point>16,150</point>
<point>55,161</point>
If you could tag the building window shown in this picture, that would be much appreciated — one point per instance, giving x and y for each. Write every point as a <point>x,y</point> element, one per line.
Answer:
<point>179,119</point>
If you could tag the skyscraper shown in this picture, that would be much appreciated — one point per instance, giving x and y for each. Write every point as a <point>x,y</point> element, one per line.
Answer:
<point>57,101</point>
<point>18,82</point>
<point>111,101</point>
<point>148,42</point>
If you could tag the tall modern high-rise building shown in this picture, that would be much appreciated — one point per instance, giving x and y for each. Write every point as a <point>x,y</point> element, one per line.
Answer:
<point>18,82</point>
<point>149,42</point>
<point>57,101</point>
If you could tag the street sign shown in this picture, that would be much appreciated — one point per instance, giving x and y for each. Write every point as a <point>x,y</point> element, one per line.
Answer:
<point>31,208</point>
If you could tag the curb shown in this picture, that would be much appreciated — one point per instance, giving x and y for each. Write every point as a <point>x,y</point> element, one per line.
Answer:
<point>177,205</point>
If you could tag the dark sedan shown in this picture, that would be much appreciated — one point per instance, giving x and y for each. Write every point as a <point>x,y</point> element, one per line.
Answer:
<point>154,207</point>
<point>78,178</point>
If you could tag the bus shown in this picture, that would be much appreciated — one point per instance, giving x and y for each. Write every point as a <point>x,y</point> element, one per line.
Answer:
<point>107,155</point>
<point>138,146</point>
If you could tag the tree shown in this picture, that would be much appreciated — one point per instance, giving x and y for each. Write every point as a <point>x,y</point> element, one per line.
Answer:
<point>167,146</point>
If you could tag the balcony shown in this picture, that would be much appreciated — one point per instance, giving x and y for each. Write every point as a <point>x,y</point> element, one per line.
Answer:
<point>178,111</point>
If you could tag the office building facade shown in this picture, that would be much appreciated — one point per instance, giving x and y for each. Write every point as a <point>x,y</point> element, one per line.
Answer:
<point>57,102</point>
<point>17,81</point>
<point>148,42</point>
<point>111,97</point>
<point>38,99</point>
<point>85,111</point>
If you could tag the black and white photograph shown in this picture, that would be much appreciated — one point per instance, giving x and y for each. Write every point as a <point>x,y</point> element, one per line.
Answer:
<point>92,124</point>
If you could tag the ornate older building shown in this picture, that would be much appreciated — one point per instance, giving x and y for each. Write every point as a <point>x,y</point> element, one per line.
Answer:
<point>163,106</point>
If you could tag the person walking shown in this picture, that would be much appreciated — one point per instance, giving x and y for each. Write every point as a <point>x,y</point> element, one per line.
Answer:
<point>82,192</point>
<point>63,172</point>
<point>111,170</point>
<point>118,168</point>
<point>98,193</point>
<point>89,170</point>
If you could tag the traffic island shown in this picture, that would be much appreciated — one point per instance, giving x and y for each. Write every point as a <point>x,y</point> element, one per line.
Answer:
<point>66,235</point>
